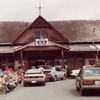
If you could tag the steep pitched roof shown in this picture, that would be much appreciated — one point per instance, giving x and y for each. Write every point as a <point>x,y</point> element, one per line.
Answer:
<point>78,30</point>
<point>74,30</point>
<point>9,31</point>
<point>40,22</point>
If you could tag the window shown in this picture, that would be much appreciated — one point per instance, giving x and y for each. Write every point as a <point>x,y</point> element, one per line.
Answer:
<point>44,34</point>
<point>11,62</point>
<point>2,62</point>
<point>2,59</point>
<point>39,34</point>
<point>10,59</point>
<point>58,69</point>
<point>79,61</point>
<point>71,61</point>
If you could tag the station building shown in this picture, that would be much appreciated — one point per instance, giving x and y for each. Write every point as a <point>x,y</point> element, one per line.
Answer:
<point>73,43</point>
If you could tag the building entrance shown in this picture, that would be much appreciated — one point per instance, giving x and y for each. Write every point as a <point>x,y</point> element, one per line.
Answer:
<point>40,61</point>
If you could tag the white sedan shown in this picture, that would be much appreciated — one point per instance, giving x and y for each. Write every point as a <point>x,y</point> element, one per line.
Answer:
<point>53,73</point>
<point>74,72</point>
<point>34,76</point>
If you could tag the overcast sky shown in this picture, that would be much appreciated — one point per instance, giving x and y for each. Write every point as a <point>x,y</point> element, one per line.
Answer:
<point>52,10</point>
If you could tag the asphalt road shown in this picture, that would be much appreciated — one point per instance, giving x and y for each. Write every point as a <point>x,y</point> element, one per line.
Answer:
<point>59,90</point>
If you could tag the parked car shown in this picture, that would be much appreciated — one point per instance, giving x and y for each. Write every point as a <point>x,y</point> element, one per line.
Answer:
<point>62,69</point>
<point>88,78</point>
<point>53,73</point>
<point>34,76</point>
<point>74,72</point>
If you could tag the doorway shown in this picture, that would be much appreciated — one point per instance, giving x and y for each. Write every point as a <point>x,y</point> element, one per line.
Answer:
<point>40,61</point>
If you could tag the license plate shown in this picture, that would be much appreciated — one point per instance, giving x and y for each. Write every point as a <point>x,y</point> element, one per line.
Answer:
<point>97,82</point>
<point>33,81</point>
<point>47,76</point>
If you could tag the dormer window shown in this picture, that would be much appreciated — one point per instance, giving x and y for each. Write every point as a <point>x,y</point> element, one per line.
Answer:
<point>41,34</point>
<point>41,38</point>
<point>37,34</point>
<point>44,34</point>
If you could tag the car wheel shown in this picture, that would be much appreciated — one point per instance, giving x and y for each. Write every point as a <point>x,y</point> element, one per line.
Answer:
<point>25,84</point>
<point>50,79</point>
<point>82,92</point>
<point>77,87</point>
<point>55,78</point>
<point>20,82</point>
<point>64,77</point>
<point>44,84</point>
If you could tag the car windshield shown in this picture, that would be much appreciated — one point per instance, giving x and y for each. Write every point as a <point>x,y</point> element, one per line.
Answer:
<point>33,72</point>
<point>90,72</point>
<point>45,66</point>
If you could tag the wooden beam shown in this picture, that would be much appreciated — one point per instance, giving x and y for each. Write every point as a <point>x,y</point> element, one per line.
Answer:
<point>75,60</point>
<point>21,55</point>
<point>41,48</point>
<point>62,54</point>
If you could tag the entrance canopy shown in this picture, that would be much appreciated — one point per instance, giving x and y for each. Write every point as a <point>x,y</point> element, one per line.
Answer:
<point>50,46</point>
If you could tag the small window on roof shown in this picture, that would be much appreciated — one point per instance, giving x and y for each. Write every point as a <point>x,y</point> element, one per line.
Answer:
<point>44,34</point>
<point>37,34</point>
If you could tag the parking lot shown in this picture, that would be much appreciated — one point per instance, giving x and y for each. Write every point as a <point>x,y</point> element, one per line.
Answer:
<point>59,90</point>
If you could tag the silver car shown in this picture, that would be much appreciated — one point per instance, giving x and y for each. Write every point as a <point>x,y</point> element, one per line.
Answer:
<point>53,73</point>
<point>34,76</point>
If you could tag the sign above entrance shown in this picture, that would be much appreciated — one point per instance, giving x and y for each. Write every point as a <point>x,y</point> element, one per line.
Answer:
<point>42,42</point>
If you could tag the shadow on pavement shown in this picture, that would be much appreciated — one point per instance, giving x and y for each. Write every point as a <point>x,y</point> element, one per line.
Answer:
<point>88,93</point>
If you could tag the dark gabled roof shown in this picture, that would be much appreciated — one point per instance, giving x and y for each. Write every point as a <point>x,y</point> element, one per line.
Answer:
<point>40,22</point>
<point>74,30</point>
<point>9,31</point>
<point>78,30</point>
